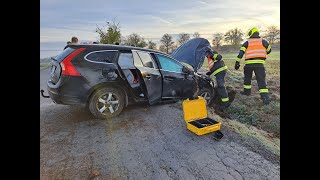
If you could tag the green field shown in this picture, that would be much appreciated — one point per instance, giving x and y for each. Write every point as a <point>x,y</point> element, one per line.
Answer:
<point>44,65</point>
<point>249,109</point>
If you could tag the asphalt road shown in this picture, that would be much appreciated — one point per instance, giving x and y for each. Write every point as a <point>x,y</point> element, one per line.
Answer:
<point>142,143</point>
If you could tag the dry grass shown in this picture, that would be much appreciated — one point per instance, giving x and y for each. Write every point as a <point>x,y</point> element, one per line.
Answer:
<point>44,65</point>
<point>270,142</point>
<point>249,109</point>
<point>248,116</point>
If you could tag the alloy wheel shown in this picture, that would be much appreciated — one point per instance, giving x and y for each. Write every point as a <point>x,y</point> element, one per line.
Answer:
<point>107,103</point>
<point>206,96</point>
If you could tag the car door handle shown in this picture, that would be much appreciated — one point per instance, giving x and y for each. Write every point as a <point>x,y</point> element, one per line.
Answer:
<point>148,76</point>
<point>169,78</point>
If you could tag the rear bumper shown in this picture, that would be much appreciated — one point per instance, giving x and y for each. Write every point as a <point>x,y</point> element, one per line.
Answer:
<point>63,94</point>
<point>63,99</point>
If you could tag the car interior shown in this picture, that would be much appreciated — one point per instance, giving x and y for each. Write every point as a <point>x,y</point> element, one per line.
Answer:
<point>131,73</point>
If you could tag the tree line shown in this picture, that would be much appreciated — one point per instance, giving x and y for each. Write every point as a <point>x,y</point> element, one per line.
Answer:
<point>233,37</point>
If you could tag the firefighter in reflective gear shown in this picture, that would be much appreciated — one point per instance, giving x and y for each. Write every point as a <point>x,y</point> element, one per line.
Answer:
<point>219,70</point>
<point>255,51</point>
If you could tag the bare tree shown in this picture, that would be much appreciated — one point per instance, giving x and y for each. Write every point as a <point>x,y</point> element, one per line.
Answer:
<point>151,45</point>
<point>167,43</point>
<point>135,40</point>
<point>163,48</point>
<point>183,37</point>
<point>216,41</point>
<point>196,35</point>
<point>234,36</point>
<point>174,47</point>
<point>272,34</point>
<point>112,34</point>
<point>122,40</point>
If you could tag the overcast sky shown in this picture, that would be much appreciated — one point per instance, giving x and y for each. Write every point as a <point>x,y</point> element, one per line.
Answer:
<point>62,19</point>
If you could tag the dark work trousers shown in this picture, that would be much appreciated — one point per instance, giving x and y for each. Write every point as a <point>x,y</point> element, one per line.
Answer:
<point>220,78</point>
<point>260,73</point>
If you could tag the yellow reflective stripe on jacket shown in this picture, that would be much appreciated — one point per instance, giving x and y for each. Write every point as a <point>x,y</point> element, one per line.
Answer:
<point>256,55</point>
<point>219,70</point>
<point>215,56</point>
<point>247,86</point>
<point>243,49</point>
<point>224,99</point>
<point>254,39</point>
<point>263,90</point>
<point>269,47</point>
<point>238,60</point>
<point>256,50</point>
<point>255,61</point>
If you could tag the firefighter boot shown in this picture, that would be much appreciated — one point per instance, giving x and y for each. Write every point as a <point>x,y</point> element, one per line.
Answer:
<point>225,105</point>
<point>265,98</point>
<point>246,92</point>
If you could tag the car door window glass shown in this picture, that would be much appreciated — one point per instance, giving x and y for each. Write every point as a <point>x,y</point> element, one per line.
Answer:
<point>126,61</point>
<point>169,64</point>
<point>137,61</point>
<point>101,56</point>
<point>146,59</point>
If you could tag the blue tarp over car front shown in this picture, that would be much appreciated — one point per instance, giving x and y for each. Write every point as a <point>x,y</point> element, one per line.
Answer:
<point>192,52</point>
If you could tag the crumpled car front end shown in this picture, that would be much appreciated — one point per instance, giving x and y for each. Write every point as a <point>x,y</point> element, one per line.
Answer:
<point>192,54</point>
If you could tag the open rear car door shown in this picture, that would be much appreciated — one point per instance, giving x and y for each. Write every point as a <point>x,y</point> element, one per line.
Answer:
<point>150,74</point>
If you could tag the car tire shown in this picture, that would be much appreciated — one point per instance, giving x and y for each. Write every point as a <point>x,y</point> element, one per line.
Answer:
<point>206,94</point>
<point>106,103</point>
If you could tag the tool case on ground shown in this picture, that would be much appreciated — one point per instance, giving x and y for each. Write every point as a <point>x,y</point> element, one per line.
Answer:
<point>196,117</point>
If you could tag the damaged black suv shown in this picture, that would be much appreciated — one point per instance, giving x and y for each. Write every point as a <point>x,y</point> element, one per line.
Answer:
<point>107,78</point>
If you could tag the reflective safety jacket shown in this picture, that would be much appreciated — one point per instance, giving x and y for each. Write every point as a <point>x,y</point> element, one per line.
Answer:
<point>255,50</point>
<point>215,63</point>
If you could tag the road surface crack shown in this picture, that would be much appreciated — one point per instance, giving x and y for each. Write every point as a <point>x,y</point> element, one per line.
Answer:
<point>228,166</point>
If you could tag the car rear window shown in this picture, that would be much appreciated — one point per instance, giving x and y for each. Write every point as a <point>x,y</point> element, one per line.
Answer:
<point>64,54</point>
<point>101,56</point>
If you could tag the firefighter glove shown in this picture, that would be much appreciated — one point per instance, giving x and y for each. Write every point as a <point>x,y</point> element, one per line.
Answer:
<point>237,65</point>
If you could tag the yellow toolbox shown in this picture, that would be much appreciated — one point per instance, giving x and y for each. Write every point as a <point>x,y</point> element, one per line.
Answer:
<point>195,115</point>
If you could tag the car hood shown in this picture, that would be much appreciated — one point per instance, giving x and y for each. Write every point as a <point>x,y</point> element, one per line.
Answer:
<point>192,52</point>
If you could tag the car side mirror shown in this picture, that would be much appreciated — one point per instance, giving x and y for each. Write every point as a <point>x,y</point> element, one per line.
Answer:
<point>186,70</point>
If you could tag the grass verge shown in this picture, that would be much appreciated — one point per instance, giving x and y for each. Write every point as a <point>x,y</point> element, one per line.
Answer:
<point>44,65</point>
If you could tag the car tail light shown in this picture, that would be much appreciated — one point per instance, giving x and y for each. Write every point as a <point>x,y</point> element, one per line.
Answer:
<point>66,65</point>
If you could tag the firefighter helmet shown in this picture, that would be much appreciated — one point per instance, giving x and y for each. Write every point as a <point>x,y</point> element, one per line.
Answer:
<point>251,31</point>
